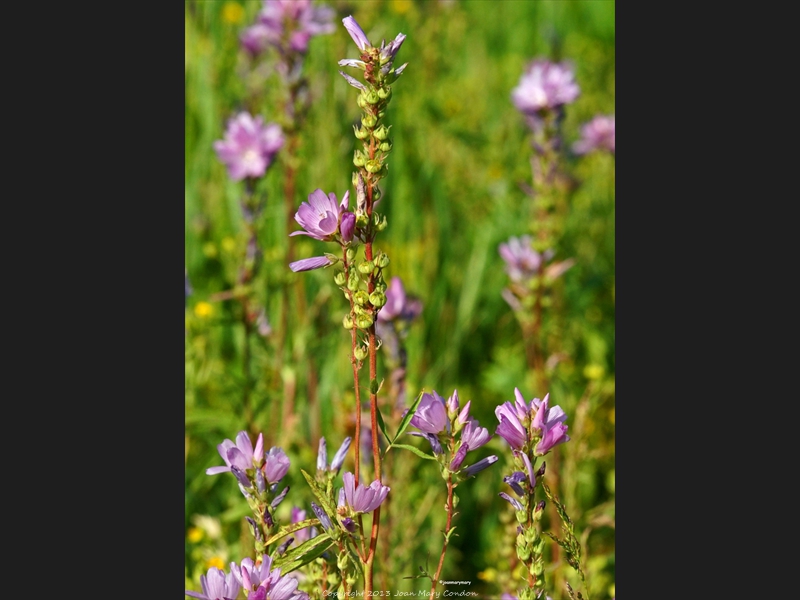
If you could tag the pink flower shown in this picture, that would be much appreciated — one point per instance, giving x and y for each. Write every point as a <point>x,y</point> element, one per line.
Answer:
<point>321,215</point>
<point>359,498</point>
<point>544,85</point>
<point>249,146</point>
<point>597,134</point>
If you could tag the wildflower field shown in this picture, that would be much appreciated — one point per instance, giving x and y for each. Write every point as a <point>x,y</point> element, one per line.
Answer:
<point>399,299</point>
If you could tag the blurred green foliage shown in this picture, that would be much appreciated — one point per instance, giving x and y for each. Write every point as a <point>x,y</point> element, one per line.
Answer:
<point>453,194</point>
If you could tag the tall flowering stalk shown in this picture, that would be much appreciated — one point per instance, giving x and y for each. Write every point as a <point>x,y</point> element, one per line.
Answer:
<point>282,32</point>
<point>452,432</point>
<point>248,149</point>
<point>322,218</point>
<point>532,429</point>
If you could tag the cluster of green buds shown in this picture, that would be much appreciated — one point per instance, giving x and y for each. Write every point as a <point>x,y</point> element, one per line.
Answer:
<point>358,274</point>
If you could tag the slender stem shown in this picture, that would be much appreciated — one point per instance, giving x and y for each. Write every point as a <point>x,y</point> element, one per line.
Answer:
<point>446,535</point>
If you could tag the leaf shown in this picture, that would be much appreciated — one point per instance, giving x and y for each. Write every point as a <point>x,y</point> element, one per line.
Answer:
<point>407,418</point>
<point>319,494</point>
<point>303,554</point>
<point>287,529</point>
<point>416,451</point>
<point>382,427</point>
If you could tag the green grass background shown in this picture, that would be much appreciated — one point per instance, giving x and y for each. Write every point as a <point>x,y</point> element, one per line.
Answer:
<point>452,195</point>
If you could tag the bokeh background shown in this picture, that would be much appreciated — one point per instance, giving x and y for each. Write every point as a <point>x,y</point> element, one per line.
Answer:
<point>454,192</point>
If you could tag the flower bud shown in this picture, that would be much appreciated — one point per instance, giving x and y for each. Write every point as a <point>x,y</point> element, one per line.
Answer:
<point>369,120</point>
<point>366,267</point>
<point>362,220</point>
<point>384,93</point>
<point>360,134</point>
<point>377,299</point>
<point>364,321</point>
<point>521,515</point>
<point>339,279</point>
<point>358,158</point>
<point>372,97</point>
<point>348,226</point>
<point>360,353</point>
<point>372,166</point>
<point>381,225</point>
<point>351,254</point>
<point>381,132</point>
<point>382,261</point>
<point>361,297</point>
<point>361,100</point>
<point>385,146</point>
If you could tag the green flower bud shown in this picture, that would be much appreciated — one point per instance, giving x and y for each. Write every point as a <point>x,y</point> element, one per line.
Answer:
<point>339,279</point>
<point>381,225</point>
<point>369,120</point>
<point>523,553</point>
<point>359,159</point>
<point>347,322</point>
<point>372,97</point>
<point>522,516</point>
<point>352,282</point>
<point>384,92</point>
<point>531,535</point>
<point>366,267</point>
<point>381,114</point>
<point>354,179</point>
<point>351,254</point>
<point>382,261</point>
<point>361,297</point>
<point>538,568</point>
<point>360,352</point>
<point>381,132</point>
<point>342,561</point>
<point>359,310</point>
<point>377,299</point>
<point>362,220</point>
<point>361,100</point>
<point>360,134</point>
<point>385,146</point>
<point>364,321</point>
<point>372,166</point>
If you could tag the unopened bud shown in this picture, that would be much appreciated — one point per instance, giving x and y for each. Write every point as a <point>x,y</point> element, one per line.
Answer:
<point>382,261</point>
<point>368,120</point>
<point>361,100</point>
<point>540,472</point>
<point>366,267</point>
<point>384,92</point>
<point>381,132</point>
<point>385,146</point>
<point>352,282</point>
<point>360,134</point>
<point>360,353</point>
<point>372,166</point>
<point>358,158</point>
<point>364,321</point>
<point>381,225</point>
<point>361,297</point>
<point>351,254</point>
<point>377,299</point>
<point>339,279</point>
<point>347,322</point>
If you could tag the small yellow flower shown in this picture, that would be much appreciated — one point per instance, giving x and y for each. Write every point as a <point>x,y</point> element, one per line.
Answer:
<point>195,534</point>
<point>401,6</point>
<point>228,244</point>
<point>210,250</point>
<point>203,310</point>
<point>215,561</point>
<point>232,12</point>
<point>593,371</point>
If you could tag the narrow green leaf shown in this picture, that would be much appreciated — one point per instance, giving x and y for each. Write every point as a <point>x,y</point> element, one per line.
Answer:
<point>382,427</point>
<point>416,451</point>
<point>303,554</point>
<point>287,529</point>
<point>407,419</point>
<point>320,494</point>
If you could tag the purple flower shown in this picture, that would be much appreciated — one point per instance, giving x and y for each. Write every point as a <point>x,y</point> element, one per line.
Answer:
<point>324,519</point>
<point>461,453</point>
<point>551,423</point>
<point>597,134</point>
<point>287,25</point>
<point>217,586</point>
<point>479,466</point>
<point>249,146</point>
<point>544,85</point>
<point>341,454</point>
<point>398,305</point>
<point>510,429</point>
<point>522,261</point>
<point>276,465</point>
<point>322,455</point>
<point>474,435</point>
<point>431,414</point>
<point>361,499</point>
<point>260,582</point>
<point>240,454</point>
<point>309,264</point>
<point>355,31</point>
<point>513,501</point>
<point>514,481</point>
<point>321,215</point>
